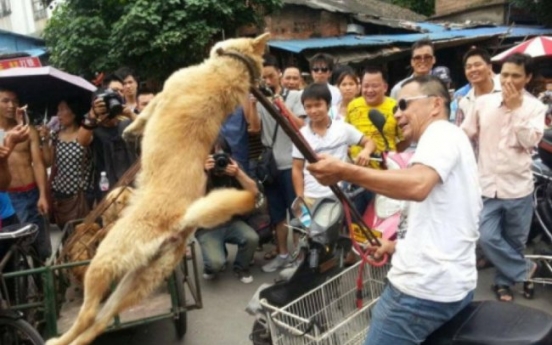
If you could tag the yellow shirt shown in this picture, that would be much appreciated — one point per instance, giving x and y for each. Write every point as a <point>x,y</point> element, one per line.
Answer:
<point>357,115</point>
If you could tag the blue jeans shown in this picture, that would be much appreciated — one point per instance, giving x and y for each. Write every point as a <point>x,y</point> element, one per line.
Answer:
<point>25,205</point>
<point>213,241</point>
<point>504,228</point>
<point>400,319</point>
<point>280,195</point>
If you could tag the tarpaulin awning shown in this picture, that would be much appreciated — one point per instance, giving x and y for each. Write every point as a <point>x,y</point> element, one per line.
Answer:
<point>356,41</point>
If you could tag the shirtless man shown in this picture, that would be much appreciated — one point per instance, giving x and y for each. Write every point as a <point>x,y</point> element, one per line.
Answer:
<point>27,189</point>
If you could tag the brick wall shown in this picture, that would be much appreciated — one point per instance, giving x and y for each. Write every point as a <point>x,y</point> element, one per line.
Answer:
<point>443,7</point>
<point>298,22</point>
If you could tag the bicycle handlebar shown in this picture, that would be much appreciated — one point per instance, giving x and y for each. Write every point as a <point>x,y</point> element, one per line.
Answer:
<point>23,230</point>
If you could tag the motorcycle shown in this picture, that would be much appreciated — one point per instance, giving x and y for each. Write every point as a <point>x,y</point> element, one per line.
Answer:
<point>319,304</point>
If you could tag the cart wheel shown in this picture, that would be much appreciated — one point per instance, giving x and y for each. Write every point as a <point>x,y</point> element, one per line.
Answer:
<point>181,322</point>
<point>260,334</point>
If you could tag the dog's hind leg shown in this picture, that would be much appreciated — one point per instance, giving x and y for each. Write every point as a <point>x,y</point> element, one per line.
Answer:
<point>133,288</point>
<point>97,285</point>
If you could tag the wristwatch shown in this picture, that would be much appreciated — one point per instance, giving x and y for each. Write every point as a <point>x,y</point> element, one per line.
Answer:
<point>89,123</point>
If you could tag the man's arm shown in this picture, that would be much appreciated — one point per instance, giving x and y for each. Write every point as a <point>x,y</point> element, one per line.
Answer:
<point>413,183</point>
<point>5,176</point>
<point>528,125</point>
<point>85,135</point>
<point>95,116</point>
<point>470,125</point>
<point>363,158</point>
<point>252,115</point>
<point>298,176</point>
<point>246,182</point>
<point>39,170</point>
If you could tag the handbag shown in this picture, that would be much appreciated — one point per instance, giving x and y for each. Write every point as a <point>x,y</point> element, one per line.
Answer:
<point>266,169</point>
<point>68,208</point>
<point>71,208</point>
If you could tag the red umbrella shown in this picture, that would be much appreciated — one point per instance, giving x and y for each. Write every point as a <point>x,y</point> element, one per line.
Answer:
<point>538,46</point>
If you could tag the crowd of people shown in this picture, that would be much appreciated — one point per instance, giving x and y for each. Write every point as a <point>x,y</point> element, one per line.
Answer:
<point>469,180</point>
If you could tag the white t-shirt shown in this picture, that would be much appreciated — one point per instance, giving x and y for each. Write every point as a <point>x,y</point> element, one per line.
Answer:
<point>335,142</point>
<point>435,260</point>
<point>336,94</point>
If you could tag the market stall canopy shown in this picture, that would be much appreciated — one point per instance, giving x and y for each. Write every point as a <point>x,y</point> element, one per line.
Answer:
<point>44,87</point>
<point>536,47</point>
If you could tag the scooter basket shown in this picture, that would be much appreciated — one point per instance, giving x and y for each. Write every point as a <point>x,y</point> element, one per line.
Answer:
<point>328,315</point>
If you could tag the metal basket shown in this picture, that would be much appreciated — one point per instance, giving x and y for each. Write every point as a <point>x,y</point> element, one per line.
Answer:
<point>328,315</point>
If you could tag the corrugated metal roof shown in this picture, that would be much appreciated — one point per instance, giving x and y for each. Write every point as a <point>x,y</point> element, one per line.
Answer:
<point>297,46</point>
<point>375,8</point>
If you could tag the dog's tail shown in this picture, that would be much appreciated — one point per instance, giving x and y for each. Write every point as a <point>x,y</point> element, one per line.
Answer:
<point>217,207</point>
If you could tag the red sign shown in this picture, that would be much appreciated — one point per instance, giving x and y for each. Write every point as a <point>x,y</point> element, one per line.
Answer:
<point>20,62</point>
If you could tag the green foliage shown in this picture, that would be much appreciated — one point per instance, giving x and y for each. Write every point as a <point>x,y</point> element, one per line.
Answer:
<point>425,7</point>
<point>542,9</point>
<point>155,37</point>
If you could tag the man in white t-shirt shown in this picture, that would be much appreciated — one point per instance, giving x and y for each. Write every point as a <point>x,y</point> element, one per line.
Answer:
<point>324,136</point>
<point>433,272</point>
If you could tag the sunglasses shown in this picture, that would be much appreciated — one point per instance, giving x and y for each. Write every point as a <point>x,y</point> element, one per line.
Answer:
<point>403,103</point>
<point>320,69</point>
<point>419,58</point>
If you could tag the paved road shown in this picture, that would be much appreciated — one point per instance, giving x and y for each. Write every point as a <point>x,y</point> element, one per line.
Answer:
<point>224,321</point>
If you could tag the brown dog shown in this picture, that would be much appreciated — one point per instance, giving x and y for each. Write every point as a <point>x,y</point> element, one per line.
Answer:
<point>146,244</point>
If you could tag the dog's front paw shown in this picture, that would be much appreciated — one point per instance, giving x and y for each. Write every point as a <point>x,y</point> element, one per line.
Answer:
<point>134,130</point>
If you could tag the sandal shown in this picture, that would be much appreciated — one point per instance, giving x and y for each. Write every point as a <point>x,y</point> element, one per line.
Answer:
<point>528,286</point>
<point>270,255</point>
<point>503,293</point>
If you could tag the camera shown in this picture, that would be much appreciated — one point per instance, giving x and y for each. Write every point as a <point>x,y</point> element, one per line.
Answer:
<point>113,101</point>
<point>221,162</point>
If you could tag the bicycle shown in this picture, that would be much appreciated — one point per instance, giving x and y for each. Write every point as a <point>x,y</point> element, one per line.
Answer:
<point>14,327</point>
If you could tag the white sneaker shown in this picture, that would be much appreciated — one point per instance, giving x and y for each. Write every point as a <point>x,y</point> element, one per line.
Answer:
<point>277,263</point>
<point>208,275</point>
<point>243,275</point>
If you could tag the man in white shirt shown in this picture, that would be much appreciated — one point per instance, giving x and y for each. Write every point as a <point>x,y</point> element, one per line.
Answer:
<point>479,72</point>
<point>422,61</point>
<point>433,272</point>
<point>324,136</point>
<point>321,66</point>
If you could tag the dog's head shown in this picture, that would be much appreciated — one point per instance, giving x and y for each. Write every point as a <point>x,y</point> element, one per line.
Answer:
<point>119,198</point>
<point>252,48</point>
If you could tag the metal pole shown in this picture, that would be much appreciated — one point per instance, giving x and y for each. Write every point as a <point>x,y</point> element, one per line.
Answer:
<point>310,156</point>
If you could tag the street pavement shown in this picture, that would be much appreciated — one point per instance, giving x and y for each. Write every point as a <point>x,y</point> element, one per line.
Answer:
<point>224,321</point>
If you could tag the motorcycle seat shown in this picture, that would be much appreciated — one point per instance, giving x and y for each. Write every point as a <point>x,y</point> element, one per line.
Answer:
<point>495,323</point>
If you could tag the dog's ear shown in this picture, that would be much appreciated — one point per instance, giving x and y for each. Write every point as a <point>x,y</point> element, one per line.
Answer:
<point>259,43</point>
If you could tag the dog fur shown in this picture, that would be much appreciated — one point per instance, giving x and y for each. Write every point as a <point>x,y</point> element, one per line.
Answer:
<point>84,241</point>
<point>149,240</point>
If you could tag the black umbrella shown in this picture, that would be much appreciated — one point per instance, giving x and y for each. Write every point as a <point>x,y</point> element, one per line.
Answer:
<point>44,87</point>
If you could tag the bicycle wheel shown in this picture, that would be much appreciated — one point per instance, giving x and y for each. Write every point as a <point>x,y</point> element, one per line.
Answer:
<point>27,287</point>
<point>18,332</point>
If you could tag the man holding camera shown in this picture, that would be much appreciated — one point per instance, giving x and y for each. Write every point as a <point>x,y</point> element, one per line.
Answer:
<point>103,127</point>
<point>224,172</point>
